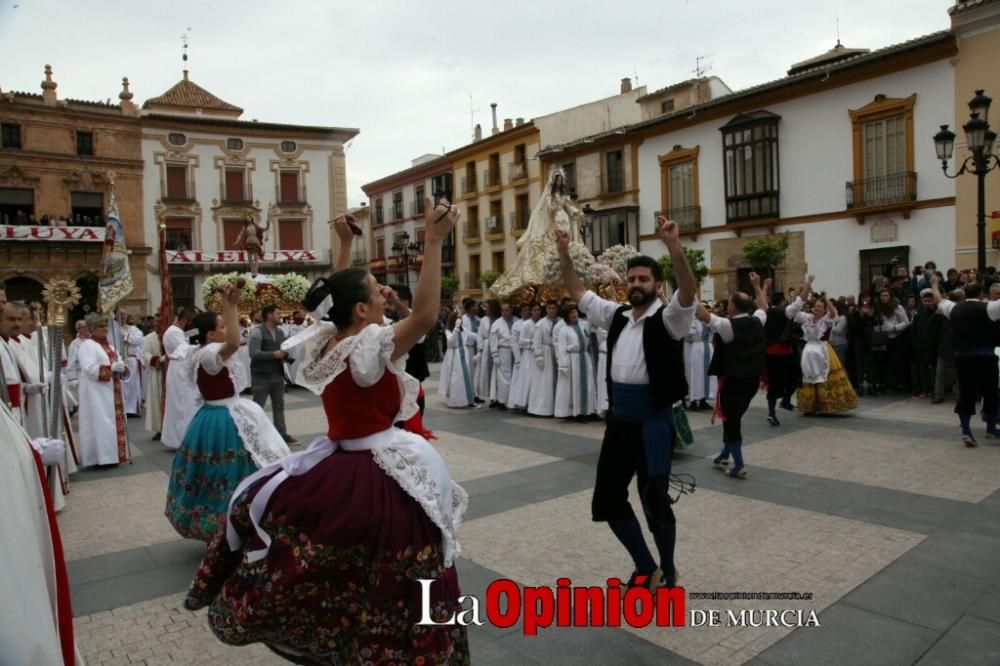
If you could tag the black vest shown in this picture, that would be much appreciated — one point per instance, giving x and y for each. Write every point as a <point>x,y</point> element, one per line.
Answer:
<point>416,361</point>
<point>971,327</point>
<point>664,358</point>
<point>778,328</point>
<point>744,356</point>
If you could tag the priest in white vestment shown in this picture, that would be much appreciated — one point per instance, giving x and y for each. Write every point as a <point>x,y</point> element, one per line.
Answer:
<point>183,397</point>
<point>541,399</point>
<point>132,384</point>
<point>37,625</point>
<point>500,349</point>
<point>103,439</point>
<point>10,372</point>
<point>152,358</point>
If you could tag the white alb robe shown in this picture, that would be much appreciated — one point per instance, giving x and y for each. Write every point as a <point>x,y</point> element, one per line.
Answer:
<point>457,382</point>
<point>484,360</point>
<point>132,387</point>
<point>25,351</point>
<point>12,379</point>
<point>576,394</point>
<point>515,349</point>
<point>524,365</point>
<point>501,341</point>
<point>541,399</point>
<point>103,438</point>
<point>73,371</point>
<point>697,357</point>
<point>601,375</point>
<point>152,358</point>
<point>31,630</point>
<point>183,398</point>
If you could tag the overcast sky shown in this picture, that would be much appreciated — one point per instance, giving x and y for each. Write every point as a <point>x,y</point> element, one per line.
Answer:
<point>403,70</point>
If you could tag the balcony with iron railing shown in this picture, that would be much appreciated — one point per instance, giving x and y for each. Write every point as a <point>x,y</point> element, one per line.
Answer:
<point>175,195</point>
<point>469,185</point>
<point>241,197</point>
<point>447,255</point>
<point>359,258</point>
<point>379,218</point>
<point>396,212</point>
<point>491,177</point>
<point>519,222</point>
<point>494,227</point>
<point>688,218</point>
<point>471,232</point>
<point>517,171</point>
<point>895,190</point>
<point>417,207</point>
<point>472,281</point>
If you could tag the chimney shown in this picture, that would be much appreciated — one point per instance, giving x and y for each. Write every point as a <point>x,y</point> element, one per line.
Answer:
<point>626,85</point>
<point>479,132</point>
<point>518,122</point>
<point>507,124</point>
<point>49,88</point>
<point>496,130</point>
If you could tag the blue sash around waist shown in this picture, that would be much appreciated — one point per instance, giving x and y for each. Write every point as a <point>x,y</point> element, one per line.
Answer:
<point>634,403</point>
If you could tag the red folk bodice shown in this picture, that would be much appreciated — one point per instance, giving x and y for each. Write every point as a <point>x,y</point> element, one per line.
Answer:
<point>353,411</point>
<point>215,387</point>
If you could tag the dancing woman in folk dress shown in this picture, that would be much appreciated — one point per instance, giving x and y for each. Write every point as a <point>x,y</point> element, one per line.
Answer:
<point>825,386</point>
<point>322,551</point>
<point>228,439</point>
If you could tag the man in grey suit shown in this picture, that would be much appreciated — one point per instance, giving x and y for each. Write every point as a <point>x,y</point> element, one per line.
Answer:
<point>267,373</point>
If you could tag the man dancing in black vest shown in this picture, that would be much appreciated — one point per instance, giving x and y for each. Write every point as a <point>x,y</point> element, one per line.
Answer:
<point>645,376</point>
<point>738,362</point>
<point>782,361</point>
<point>975,362</point>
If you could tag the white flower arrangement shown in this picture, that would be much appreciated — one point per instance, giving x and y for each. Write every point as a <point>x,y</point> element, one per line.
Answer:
<point>247,294</point>
<point>291,285</point>
<point>583,262</point>
<point>604,274</point>
<point>617,257</point>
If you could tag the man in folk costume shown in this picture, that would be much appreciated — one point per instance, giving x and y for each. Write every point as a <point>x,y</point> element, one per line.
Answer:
<point>645,377</point>
<point>37,625</point>
<point>973,337</point>
<point>132,349</point>
<point>183,399</point>
<point>103,437</point>
<point>541,399</point>
<point>153,359</point>
<point>740,349</point>
<point>782,361</point>
<point>10,327</point>
<point>484,365</point>
<point>500,349</point>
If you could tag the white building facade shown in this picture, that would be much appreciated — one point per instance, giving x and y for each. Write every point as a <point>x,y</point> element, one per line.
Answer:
<point>206,171</point>
<point>840,156</point>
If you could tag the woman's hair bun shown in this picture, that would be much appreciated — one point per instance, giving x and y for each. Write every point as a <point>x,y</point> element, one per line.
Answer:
<point>317,293</point>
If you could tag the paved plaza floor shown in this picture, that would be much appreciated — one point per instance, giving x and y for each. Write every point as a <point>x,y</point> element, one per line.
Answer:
<point>881,515</point>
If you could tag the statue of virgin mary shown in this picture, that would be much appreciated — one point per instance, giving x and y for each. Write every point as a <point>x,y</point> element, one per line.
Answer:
<point>553,211</point>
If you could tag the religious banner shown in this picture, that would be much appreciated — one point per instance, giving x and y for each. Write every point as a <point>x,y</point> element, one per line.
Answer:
<point>241,257</point>
<point>39,233</point>
<point>116,277</point>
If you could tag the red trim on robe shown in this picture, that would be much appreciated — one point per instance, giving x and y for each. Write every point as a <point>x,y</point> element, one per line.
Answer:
<point>64,607</point>
<point>14,391</point>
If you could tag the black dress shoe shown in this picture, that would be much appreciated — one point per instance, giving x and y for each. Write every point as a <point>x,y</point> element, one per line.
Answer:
<point>156,437</point>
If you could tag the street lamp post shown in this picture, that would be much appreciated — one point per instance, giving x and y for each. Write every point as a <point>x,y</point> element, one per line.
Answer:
<point>405,252</point>
<point>979,138</point>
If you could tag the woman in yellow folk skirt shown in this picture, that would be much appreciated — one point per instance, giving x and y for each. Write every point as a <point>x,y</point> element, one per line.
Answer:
<point>825,386</point>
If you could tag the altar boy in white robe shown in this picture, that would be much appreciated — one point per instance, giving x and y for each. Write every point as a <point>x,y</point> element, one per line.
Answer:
<point>697,356</point>
<point>576,394</point>
<point>541,399</point>
<point>484,366</point>
<point>183,398</point>
<point>501,342</point>
<point>152,358</point>
<point>103,436</point>
<point>524,317</point>
<point>132,350</point>
<point>457,384</point>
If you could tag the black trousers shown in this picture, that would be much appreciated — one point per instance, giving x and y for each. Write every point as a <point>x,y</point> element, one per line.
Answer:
<point>734,398</point>
<point>977,379</point>
<point>781,377</point>
<point>622,457</point>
